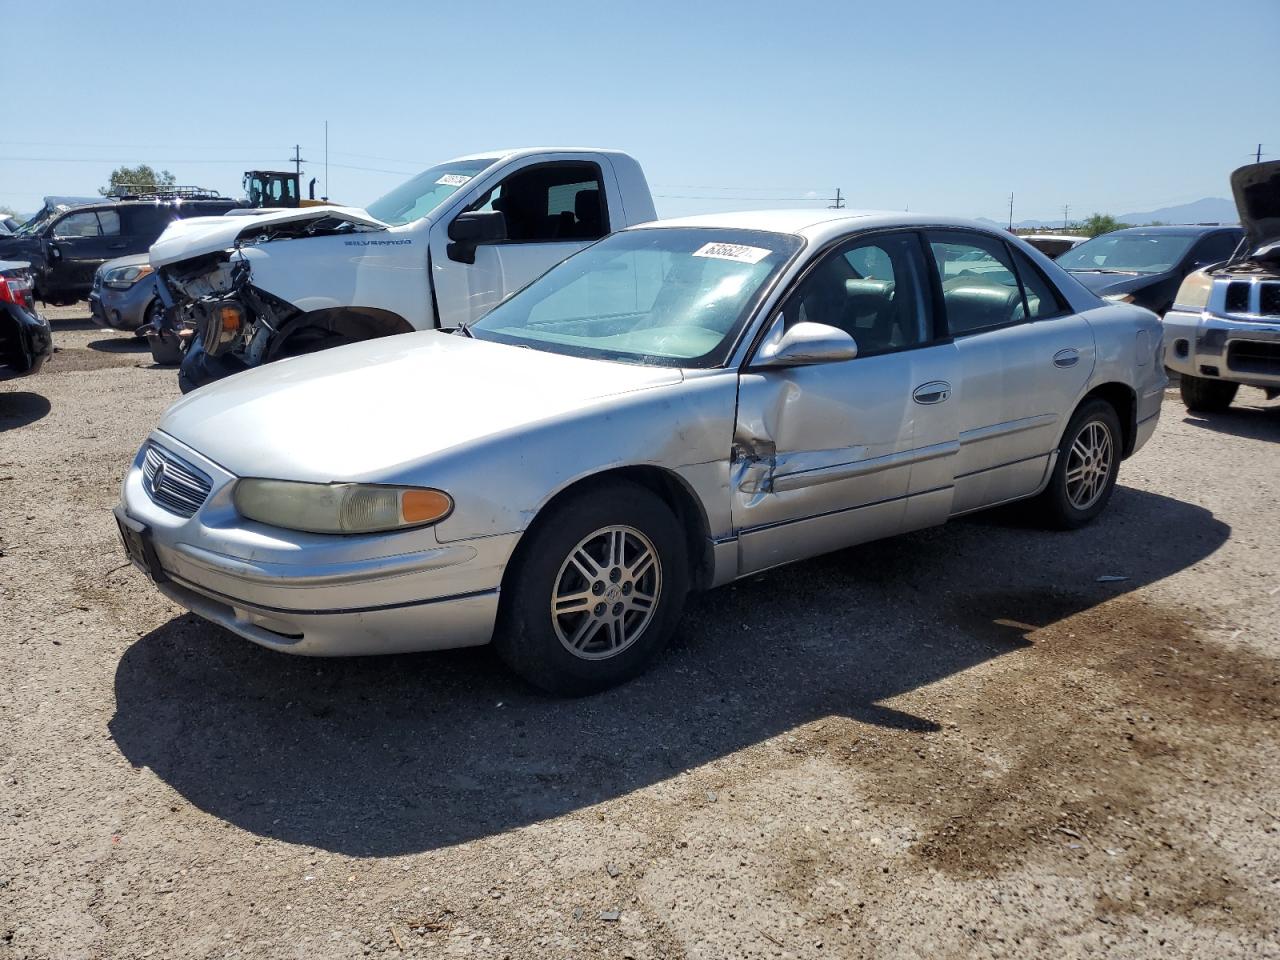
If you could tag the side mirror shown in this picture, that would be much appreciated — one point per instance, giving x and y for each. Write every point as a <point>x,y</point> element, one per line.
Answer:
<point>53,252</point>
<point>468,230</point>
<point>805,344</point>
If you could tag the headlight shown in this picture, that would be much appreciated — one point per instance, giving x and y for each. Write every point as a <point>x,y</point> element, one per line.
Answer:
<point>1119,297</point>
<point>339,507</point>
<point>122,278</point>
<point>1194,293</point>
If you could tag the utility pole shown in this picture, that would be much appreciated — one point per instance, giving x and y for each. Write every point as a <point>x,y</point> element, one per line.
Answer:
<point>1066,215</point>
<point>1011,211</point>
<point>1257,157</point>
<point>297,161</point>
<point>837,201</point>
<point>326,160</point>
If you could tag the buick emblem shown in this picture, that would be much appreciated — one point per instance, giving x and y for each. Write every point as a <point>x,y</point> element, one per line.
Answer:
<point>158,477</point>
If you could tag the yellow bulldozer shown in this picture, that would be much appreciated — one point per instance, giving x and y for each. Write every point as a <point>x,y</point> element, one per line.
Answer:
<point>278,188</point>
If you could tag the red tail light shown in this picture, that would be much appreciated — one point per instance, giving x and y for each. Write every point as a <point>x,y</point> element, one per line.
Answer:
<point>16,290</point>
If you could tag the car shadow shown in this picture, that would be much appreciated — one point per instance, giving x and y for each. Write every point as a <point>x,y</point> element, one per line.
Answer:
<point>1252,423</point>
<point>19,408</point>
<point>128,344</point>
<point>59,323</point>
<point>392,755</point>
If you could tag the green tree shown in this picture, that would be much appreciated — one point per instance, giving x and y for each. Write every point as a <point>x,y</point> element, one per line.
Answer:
<point>137,180</point>
<point>1101,223</point>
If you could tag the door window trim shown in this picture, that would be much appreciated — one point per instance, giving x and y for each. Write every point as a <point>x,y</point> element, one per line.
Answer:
<point>605,224</point>
<point>1063,308</point>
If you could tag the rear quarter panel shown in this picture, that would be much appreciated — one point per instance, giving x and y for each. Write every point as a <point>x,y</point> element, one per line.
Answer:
<point>1130,351</point>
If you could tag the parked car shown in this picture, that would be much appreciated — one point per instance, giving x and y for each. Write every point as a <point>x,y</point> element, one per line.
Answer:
<point>677,406</point>
<point>67,244</point>
<point>124,294</point>
<point>1224,327</point>
<point>1146,265</point>
<point>26,341</point>
<point>440,249</point>
<point>1053,245</point>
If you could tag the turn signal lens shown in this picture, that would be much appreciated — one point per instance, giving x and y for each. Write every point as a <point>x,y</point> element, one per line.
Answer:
<point>339,507</point>
<point>229,318</point>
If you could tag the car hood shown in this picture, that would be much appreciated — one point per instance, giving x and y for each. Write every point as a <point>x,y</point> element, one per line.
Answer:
<point>133,260</point>
<point>370,411</point>
<point>196,236</point>
<point>1257,192</point>
<point>1109,284</point>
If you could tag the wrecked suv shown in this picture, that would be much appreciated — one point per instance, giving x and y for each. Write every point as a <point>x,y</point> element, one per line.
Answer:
<point>439,250</point>
<point>1224,327</point>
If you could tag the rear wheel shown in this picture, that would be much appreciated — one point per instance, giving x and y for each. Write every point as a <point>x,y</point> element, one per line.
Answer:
<point>1086,469</point>
<point>595,591</point>
<point>1203,395</point>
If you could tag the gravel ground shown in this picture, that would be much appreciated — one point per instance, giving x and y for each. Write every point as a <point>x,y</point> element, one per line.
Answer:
<point>957,743</point>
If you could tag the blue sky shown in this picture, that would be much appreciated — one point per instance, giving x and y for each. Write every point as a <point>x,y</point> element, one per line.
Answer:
<point>942,106</point>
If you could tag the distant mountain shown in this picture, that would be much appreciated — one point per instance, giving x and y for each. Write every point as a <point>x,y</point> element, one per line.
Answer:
<point>1208,210</point>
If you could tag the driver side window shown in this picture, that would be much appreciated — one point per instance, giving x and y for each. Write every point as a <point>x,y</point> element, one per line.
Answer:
<point>873,289</point>
<point>558,202</point>
<point>77,225</point>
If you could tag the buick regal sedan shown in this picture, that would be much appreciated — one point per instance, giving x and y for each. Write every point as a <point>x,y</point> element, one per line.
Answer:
<point>679,405</point>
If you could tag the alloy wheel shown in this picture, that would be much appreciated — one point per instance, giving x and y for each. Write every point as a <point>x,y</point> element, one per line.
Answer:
<point>1089,465</point>
<point>606,592</point>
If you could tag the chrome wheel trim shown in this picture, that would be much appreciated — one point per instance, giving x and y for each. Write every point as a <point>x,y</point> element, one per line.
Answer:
<point>606,592</point>
<point>1089,464</point>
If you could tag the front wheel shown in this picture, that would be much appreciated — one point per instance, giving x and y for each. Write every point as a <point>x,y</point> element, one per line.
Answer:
<point>1202,395</point>
<point>595,591</point>
<point>1086,469</point>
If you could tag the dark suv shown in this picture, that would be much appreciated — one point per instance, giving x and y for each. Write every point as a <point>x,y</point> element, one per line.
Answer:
<point>67,244</point>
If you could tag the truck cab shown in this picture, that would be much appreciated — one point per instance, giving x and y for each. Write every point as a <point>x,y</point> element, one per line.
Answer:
<point>439,250</point>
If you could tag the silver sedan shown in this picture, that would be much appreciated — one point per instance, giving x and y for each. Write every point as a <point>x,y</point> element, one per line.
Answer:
<point>677,406</point>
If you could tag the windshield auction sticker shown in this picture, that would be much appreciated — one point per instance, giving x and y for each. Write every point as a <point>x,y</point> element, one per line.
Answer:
<point>453,180</point>
<point>732,251</point>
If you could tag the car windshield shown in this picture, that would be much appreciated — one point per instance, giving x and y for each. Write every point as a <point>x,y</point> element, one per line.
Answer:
<point>1128,252</point>
<point>35,224</point>
<point>667,296</point>
<point>419,196</point>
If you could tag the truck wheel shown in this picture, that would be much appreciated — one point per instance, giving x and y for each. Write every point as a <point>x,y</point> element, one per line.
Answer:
<point>595,590</point>
<point>1086,469</point>
<point>1203,395</point>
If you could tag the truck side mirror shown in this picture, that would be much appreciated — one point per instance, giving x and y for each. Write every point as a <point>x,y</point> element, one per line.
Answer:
<point>468,230</point>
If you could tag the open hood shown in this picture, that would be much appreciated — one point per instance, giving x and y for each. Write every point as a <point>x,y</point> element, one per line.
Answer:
<point>196,236</point>
<point>1257,192</point>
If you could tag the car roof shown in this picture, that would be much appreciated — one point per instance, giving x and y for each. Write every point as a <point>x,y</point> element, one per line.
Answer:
<point>1175,229</point>
<point>511,153</point>
<point>820,225</point>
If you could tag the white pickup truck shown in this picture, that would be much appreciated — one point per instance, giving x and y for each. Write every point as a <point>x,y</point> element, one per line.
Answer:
<point>438,251</point>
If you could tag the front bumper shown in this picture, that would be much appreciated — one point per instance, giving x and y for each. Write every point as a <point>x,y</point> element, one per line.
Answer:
<point>317,595</point>
<point>29,342</point>
<point>121,309</point>
<point>1203,344</point>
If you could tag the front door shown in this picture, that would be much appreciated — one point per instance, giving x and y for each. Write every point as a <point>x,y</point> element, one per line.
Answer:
<point>79,243</point>
<point>835,454</point>
<point>552,210</point>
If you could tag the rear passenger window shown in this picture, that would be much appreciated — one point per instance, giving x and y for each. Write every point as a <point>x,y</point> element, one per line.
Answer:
<point>1043,298</point>
<point>873,290</point>
<point>110,223</point>
<point>979,287</point>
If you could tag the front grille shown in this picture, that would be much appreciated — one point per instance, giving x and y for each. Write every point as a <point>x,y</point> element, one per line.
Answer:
<point>1238,297</point>
<point>97,281</point>
<point>172,482</point>
<point>1269,300</point>
<point>1253,356</point>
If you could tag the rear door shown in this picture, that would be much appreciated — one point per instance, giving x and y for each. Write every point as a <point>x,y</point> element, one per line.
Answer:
<point>1024,361</point>
<point>839,453</point>
<point>552,210</point>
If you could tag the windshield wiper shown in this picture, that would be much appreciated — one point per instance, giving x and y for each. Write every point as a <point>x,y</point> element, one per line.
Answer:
<point>1097,270</point>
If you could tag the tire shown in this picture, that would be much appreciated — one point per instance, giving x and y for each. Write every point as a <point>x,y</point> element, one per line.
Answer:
<point>553,558</point>
<point>166,348</point>
<point>1202,395</point>
<point>1068,504</point>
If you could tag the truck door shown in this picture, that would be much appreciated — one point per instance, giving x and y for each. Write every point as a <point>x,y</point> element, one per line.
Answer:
<point>78,244</point>
<point>552,210</point>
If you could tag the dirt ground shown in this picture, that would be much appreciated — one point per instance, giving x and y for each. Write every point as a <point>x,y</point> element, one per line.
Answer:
<point>958,743</point>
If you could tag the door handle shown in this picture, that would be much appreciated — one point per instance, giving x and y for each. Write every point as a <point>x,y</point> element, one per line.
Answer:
<point>935,391</point>
<point>116,246</point>
<point>1066,358</point>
